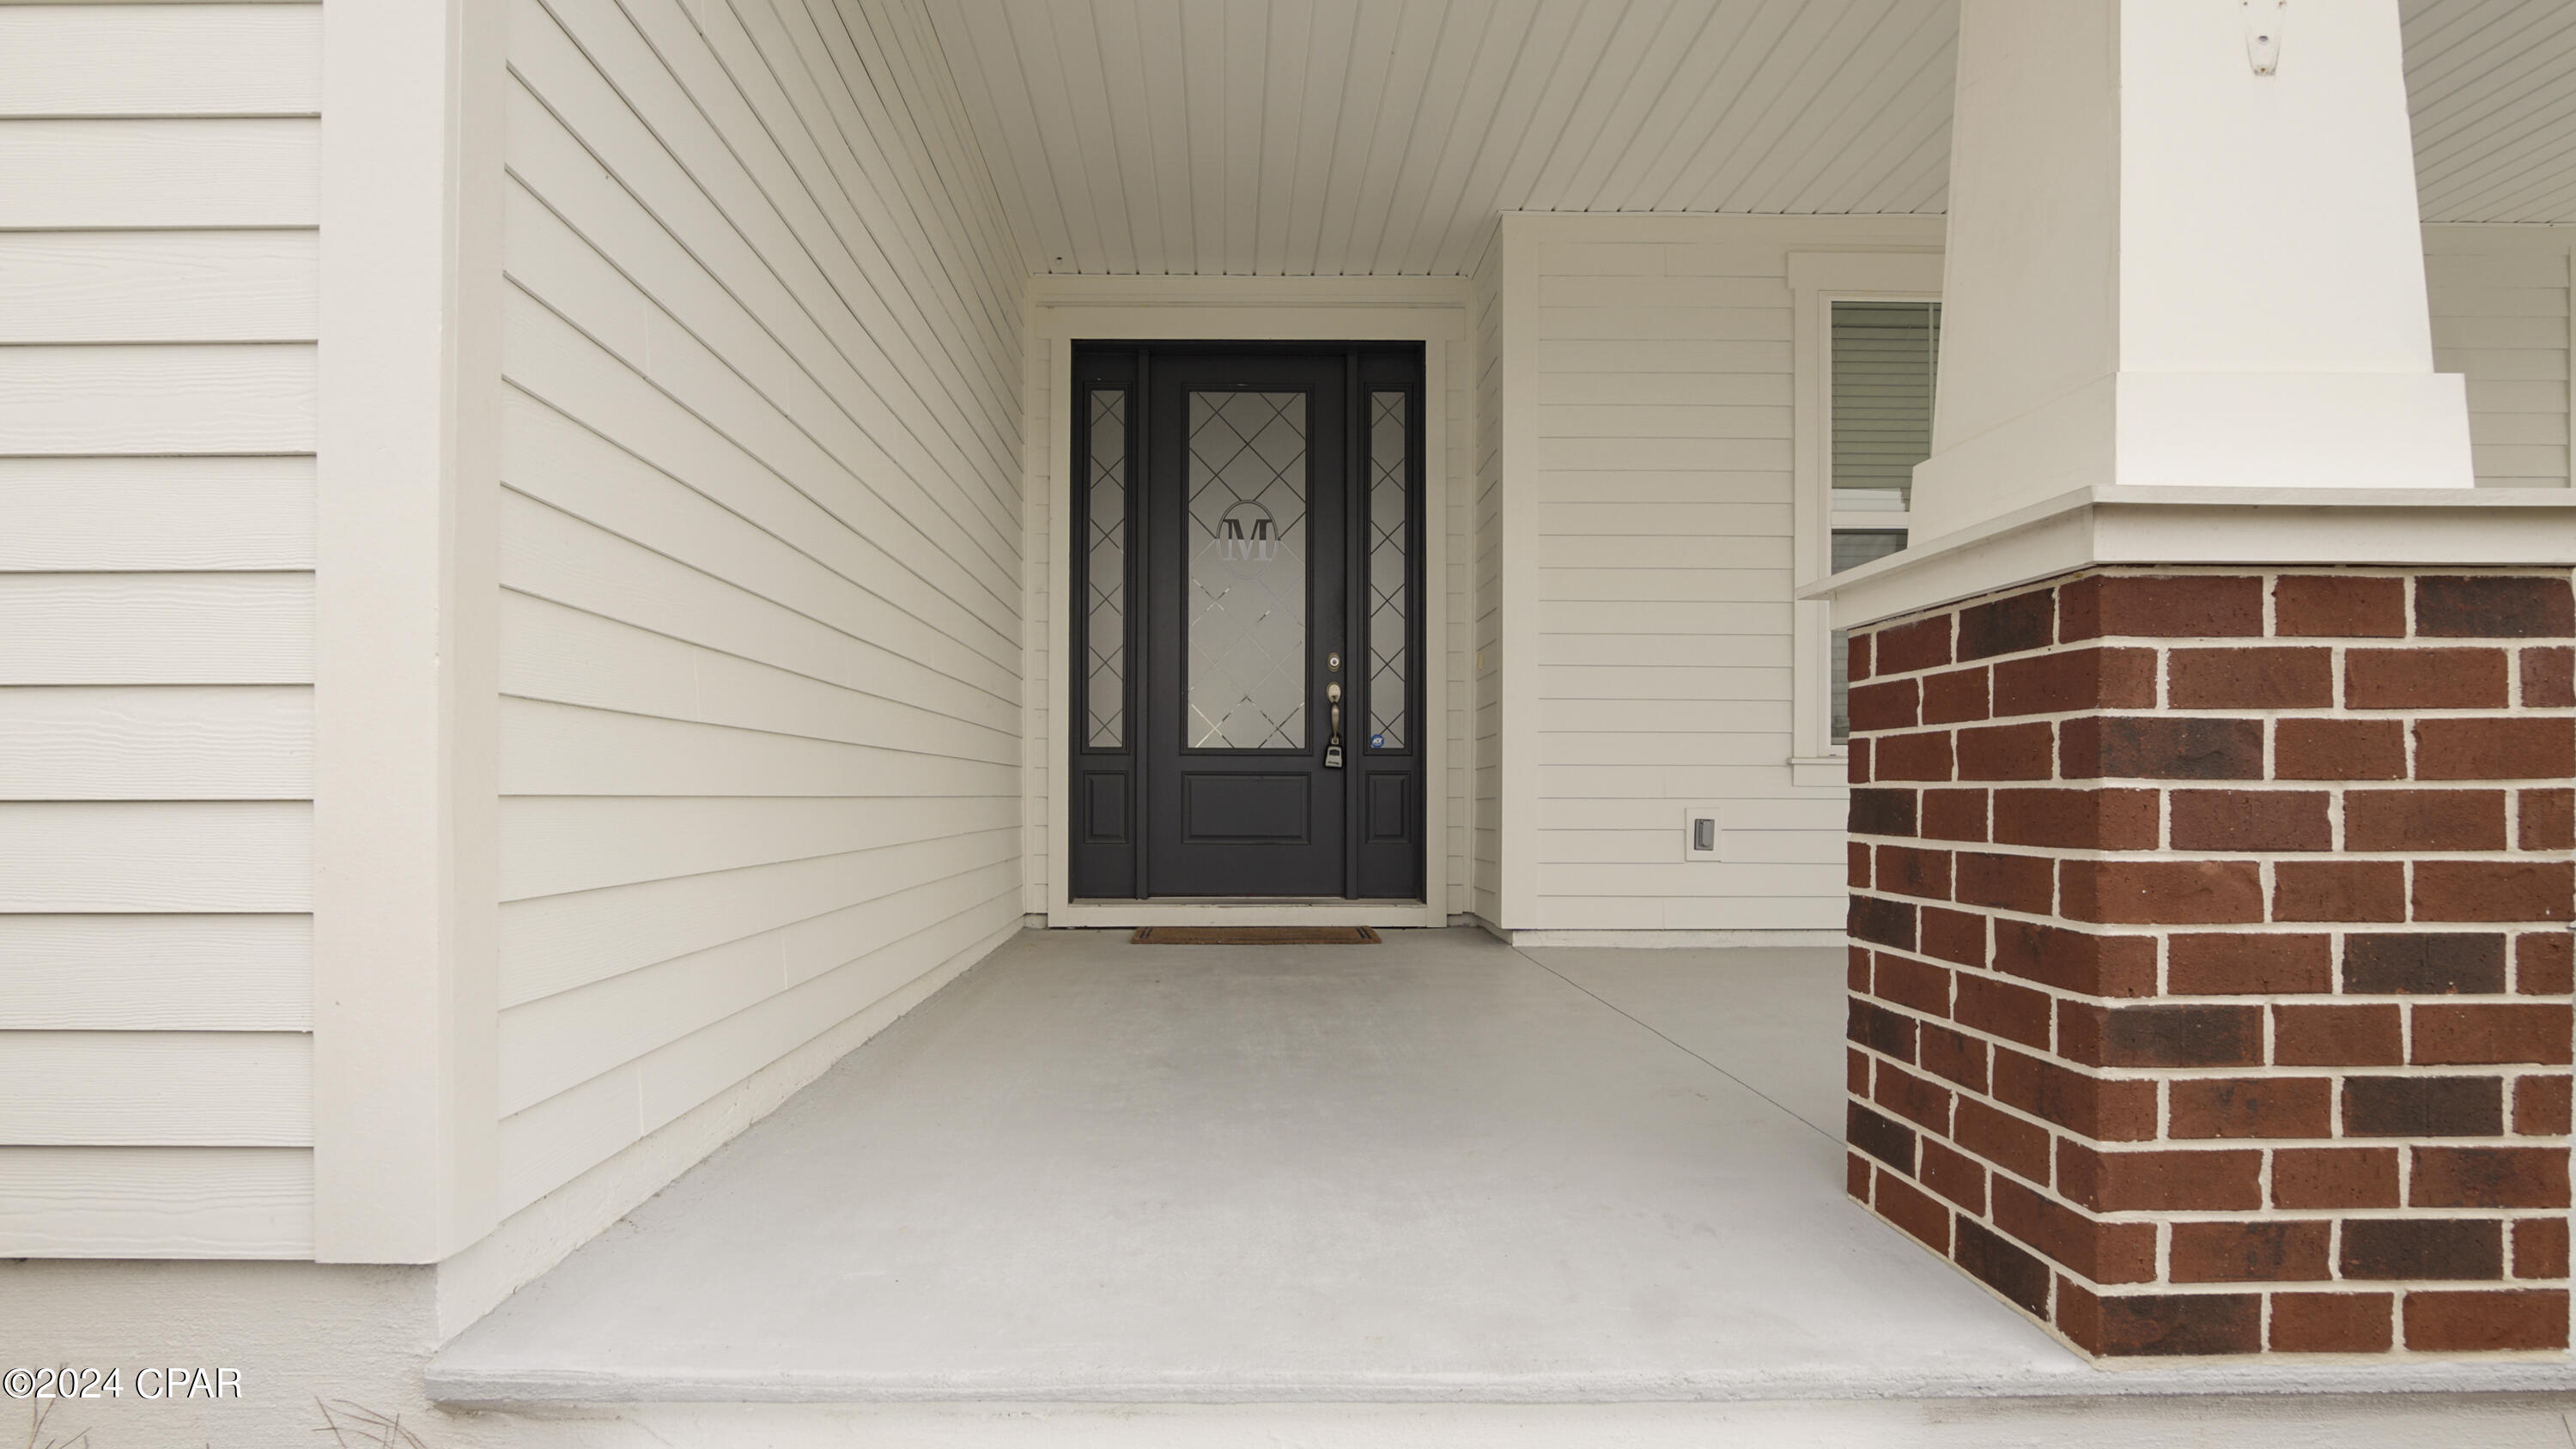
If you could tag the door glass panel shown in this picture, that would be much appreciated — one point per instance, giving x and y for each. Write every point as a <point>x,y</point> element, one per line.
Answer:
<point>1389,621</point>
<point>1247,584</point>
<point>1105,629</point>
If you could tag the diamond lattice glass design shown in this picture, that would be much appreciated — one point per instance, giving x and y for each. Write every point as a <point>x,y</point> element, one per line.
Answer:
<point>1247,604</point>
<point>1105,628</point>
<point>1388,568</point>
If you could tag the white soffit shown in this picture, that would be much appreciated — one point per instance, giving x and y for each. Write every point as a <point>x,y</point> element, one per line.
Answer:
<point>1345,137</point>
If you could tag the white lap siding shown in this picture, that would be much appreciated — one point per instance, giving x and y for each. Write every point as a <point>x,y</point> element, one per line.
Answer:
<point>761,623</point>
<point>1655,453</point>
<point>157,321</point>
<point>2500,317</point>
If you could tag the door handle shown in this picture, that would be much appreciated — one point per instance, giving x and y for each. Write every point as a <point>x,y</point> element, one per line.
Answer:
<point>1333,748</point>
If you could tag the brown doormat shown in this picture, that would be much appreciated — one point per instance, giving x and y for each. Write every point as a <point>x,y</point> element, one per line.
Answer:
<point>1253,936</point>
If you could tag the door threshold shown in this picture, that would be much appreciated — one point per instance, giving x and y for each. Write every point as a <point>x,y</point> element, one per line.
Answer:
<point>1252,911</point>
<point>1395,901</point>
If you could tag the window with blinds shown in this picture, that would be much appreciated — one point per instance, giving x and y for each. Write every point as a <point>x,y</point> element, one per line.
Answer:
<point>1883,365</point>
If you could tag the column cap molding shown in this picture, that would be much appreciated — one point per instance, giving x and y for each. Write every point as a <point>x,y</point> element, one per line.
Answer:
<point>2135,525</point>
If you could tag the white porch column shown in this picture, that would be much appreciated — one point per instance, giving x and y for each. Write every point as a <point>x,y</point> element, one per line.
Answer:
<point>2201,625</point>
<point>2170,266</point>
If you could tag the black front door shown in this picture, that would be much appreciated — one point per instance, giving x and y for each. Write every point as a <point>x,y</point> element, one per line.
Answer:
<point>1248,570</point>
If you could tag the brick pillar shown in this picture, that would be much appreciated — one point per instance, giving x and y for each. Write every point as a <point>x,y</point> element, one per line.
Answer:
<point>2210,965</point>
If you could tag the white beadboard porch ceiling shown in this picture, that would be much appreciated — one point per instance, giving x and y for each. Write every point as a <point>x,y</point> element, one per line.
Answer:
<point>1341,137</point>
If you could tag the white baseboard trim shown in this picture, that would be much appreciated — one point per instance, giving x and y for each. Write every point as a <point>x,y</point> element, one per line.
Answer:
<point>1669,940</point>
<point>540,1235</point>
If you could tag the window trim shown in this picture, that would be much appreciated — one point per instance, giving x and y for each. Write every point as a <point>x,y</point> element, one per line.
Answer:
<point>1817,280</point>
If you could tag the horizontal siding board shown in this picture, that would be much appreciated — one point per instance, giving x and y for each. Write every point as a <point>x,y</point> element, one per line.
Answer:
<point>1662,844</point>
<point>1662,585</point>
<point>1660,487</point>
<point>211,398</point>
<point>168,1202</point>
<point>592,253</point>
<point>137,515</point>
<point>2504,364</point>
<point>2542,331</point>
<point>555,749</point>
<point>1811,813</point>
<point>549,1045</point>
<point>573,376</point>
<point>1711,520</point>
<point>1664,716</point>
<point>1640,419</point>
<point>549,1144</point>
<point>68,175</point>
<point>156,973</point>
<point>685,153</point>
<point>1663,681</point>
<point>158,286</point>
<point>2492,299</point>
<point>554,556</point>
<point>556,943</point>
<point>784,165</point>
<point>578,473</point>
<point>206,742</point>
<point>553,1141</point>
<point>1697,326</point>
<point>160,60</point>
<point>2449,273</point>
<point>696,1067</point>
<point>2510,460</point>
<point>568,656</point>
<point>1716,911</point>
<point>1552,355</point>
<point>554,844</point>
<point>156,1089</point>
<point>143,628</point>
<point>163,856</point>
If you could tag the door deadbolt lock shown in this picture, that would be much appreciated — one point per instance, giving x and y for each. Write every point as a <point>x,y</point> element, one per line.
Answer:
<point>1333,662</point>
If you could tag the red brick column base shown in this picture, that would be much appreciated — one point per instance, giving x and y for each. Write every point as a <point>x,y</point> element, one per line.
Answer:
<point>2210,964</point>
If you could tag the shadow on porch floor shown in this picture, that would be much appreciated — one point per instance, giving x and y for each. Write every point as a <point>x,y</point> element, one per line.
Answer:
<point>1438,1169</point>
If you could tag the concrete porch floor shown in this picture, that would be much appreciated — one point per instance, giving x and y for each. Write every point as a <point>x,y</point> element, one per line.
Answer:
<point>1441,1169</point>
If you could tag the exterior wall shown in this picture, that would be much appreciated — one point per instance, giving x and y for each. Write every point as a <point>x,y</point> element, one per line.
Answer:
<point>2500,316</point>
<point>2210,970</point>
<point>1647,469</point>
<point>158,273</point>
<point>761,636</point>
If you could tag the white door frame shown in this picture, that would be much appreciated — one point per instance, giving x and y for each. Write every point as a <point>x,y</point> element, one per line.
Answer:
<point>1063,310</point>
